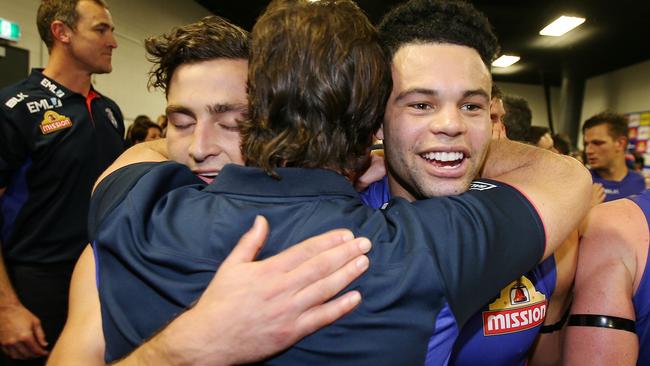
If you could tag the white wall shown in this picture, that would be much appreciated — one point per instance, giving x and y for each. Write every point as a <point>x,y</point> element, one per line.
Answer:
<point>623,91</point>
<point>134,21</point>
<point>534,94</point>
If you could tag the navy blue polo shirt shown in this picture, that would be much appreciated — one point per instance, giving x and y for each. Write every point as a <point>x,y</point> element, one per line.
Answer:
<point>54,143</point>
<point>160,234</point>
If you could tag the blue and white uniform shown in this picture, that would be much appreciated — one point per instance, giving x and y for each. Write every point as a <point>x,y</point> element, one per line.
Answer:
<point>632,184</point>
<point>509,323</point>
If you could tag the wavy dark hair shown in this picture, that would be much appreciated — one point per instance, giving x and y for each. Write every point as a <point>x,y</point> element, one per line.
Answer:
<point>318,83</point>
<point>210,38</point>
<point>63,10</point>
<point>438,21</point>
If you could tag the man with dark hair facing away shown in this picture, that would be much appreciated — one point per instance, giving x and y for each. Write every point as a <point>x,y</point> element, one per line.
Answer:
<point>211,55</point>
<point>57,134</point>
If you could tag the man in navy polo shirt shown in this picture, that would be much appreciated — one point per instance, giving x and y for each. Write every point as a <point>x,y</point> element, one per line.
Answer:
<point>202,134</point>
<point>57,134</point>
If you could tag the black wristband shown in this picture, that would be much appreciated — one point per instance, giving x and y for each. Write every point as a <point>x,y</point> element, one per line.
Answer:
<point>602,321</point>
<point>556,326</point>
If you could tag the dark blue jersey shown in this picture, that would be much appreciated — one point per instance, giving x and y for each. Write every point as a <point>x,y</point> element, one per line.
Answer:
<point>509,323</point>
<point>54,143</point>
<point>641,298</point>
<point>160,234</point>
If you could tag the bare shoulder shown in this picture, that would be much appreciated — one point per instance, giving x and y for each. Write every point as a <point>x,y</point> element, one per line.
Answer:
<point>612,254</point>
<point>617,229</point>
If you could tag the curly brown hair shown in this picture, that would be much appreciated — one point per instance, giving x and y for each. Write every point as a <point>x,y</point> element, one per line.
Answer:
<point>318,83</point>
<point>210,38</point>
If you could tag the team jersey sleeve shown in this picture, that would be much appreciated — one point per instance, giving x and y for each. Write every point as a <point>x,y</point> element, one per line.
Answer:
<point>119,186</point>
<point>481,241</point>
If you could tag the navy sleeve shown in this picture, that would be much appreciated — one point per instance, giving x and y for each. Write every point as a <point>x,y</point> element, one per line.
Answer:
<point>481,241</point>
<point>115,188</point>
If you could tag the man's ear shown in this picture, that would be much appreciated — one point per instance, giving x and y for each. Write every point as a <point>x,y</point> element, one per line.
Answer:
<point>622,143</point>
<point>60,31</point>
<point>380,132</point>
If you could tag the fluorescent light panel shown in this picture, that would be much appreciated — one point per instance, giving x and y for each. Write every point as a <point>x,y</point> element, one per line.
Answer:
<point>561,25</point>
<point>505,61</point>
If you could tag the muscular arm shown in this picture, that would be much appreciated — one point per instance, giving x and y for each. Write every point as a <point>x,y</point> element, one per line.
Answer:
<point>249,311</point>
<point>605,283</point>
<point>21,335</point>
<point>558,186</point>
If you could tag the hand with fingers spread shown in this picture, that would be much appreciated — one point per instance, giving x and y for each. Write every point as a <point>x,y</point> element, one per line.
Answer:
<point>252,310</point>
<point>21,335</point>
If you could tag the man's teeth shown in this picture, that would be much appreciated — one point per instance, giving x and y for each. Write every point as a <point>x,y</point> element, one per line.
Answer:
<point>444,156</point>
<point>210,175</point>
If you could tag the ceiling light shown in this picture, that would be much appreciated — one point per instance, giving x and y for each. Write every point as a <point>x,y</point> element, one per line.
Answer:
<point>505,61</point>
<point>561,25</point>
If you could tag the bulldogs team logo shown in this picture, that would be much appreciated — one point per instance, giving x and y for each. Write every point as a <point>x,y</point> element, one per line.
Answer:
<point>519,307</point>
<point>53,122</point>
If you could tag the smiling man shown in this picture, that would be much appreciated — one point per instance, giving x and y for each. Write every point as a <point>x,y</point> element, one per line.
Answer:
<point>57,134</point>
<point>437,131</point>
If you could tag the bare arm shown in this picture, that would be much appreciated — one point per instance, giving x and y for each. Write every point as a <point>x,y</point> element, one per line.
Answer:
<point>605,282</point>
<point>82,341</point>
<point>249,311</point>
<point>558,186</point>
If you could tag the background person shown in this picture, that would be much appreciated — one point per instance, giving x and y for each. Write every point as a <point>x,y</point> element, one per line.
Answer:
<point>47,171</point>
<point>605,143</point>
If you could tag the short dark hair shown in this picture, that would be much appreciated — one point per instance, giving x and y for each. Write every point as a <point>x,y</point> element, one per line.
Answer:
<point>62,10</point>
<point>139,131</point>
<point>438,21</point>
<point>562,143</point>
<point>318,84</point>
<point>518,118</point>
<point>210,38</point>
<point>616,123</point>
<point>535,133</point>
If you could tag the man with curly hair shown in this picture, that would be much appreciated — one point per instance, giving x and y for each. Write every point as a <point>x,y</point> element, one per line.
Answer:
<point>434,138</point>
